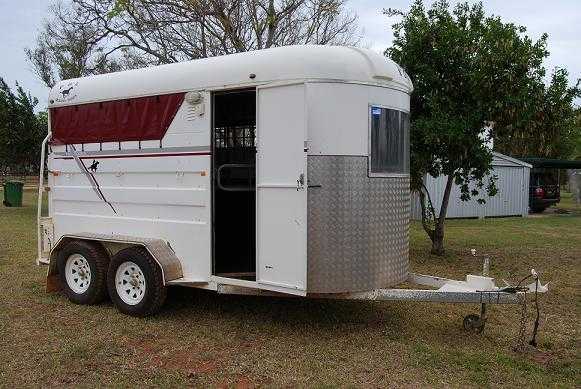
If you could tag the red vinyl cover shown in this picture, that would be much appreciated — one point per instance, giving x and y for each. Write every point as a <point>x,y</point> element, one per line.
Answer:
<point>141,118</point>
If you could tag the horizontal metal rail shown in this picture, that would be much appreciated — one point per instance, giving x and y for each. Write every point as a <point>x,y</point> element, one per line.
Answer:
<point>436,296</point>
<point>419,295</point>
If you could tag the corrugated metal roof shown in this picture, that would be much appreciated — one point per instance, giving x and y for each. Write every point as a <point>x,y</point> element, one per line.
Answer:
<point>511,159</point>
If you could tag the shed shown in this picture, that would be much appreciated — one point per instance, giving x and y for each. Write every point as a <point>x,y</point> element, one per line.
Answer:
<point>512,198</point>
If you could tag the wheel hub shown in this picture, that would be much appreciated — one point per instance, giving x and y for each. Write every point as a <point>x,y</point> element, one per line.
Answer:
<point>130,283</point>
<point>78,273</point>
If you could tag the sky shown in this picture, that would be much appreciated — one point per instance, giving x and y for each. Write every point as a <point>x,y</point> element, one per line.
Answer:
<point>20,21</point>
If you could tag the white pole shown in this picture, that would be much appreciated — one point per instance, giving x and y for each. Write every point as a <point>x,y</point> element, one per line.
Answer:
<point>40,195</point>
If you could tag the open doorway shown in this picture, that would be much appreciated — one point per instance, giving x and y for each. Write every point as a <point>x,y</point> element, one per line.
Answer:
<point>234,184</point>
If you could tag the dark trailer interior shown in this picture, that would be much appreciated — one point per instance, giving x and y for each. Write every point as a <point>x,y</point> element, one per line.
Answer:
<point>234,184</point>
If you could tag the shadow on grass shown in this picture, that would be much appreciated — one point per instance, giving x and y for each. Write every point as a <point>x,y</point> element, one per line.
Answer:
<point>281,312</point>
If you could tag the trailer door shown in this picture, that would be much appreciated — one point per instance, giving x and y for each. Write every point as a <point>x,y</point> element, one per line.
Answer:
<point>281,189</point>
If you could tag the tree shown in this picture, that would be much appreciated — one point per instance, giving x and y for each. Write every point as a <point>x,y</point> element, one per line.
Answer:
<point>21,131</point>
<point>97,36</point>
<point>468,71</point>
<point>550,129</point>
<point>576,154</point>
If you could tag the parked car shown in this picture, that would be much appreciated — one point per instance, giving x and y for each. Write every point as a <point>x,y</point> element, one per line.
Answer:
<point>544,186</point>
<point>544,189</point>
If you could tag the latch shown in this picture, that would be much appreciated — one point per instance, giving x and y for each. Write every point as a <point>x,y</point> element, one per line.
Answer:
<point>301,182</point>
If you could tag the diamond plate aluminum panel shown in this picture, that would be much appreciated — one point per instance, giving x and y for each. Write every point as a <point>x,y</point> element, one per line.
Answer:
<point>358,227</point>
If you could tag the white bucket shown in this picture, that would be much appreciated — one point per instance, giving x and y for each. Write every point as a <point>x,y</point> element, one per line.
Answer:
<point>480,282</point>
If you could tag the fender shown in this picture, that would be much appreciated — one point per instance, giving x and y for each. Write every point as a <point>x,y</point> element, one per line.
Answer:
<point>160,250</point>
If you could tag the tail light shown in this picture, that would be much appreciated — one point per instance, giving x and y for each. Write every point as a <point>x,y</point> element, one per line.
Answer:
<point>539,193</point>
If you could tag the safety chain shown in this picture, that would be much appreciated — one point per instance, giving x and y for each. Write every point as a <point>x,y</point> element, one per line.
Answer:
<point>520,342</point>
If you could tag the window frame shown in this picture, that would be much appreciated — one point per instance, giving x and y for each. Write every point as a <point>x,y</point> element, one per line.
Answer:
<point>369,125</point>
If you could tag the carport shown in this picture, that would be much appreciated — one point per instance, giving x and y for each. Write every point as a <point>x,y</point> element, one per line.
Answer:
<point>542,166</point>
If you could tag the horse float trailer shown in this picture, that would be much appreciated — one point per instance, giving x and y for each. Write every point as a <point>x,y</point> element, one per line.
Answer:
<point>279,172</point>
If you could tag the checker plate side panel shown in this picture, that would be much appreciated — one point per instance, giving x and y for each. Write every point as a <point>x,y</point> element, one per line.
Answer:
<point>358,227</point>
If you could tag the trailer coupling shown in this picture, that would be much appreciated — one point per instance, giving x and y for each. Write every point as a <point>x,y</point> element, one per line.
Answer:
<point>475,289</point>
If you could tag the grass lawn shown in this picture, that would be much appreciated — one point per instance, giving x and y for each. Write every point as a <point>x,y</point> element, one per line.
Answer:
<point>202,339</point>
<point>567,203</point>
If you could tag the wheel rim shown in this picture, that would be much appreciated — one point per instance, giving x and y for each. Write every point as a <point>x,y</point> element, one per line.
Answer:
<point>78,273</point>
<point>130,283</point>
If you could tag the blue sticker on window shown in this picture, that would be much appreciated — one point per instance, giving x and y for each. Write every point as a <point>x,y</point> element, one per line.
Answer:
<point>376,111</point>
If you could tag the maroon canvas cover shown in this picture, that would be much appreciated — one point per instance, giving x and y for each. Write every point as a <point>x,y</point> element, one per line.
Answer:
<point>140,118</point>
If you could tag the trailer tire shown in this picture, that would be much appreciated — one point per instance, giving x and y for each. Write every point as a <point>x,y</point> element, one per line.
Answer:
<point>82,268</point>
<point>135,282</point>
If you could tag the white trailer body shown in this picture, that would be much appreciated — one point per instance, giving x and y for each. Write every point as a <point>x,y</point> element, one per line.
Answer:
<point>283,170</point>
<point>313,104</point>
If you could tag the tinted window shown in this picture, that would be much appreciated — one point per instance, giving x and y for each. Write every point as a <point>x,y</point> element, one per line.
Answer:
<point>389,147</point>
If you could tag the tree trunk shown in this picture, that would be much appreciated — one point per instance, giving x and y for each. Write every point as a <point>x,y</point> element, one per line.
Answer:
<point>427,211</point>
<point>438,236</point>
<point>438,239</point>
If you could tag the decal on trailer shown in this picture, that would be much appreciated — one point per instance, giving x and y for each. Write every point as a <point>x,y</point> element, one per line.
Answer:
<point>67,92</point>
<point>94,166</point>
<point>91,177</point>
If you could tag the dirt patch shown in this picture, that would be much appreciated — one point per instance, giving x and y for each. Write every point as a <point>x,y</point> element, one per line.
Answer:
<point>201,368</point>
<point>541,358</point>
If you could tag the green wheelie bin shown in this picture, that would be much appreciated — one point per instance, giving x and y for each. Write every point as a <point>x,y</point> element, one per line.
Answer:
<point>13,193</point>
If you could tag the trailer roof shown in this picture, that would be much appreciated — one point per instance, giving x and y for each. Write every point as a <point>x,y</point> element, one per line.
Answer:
<point>282,64</point>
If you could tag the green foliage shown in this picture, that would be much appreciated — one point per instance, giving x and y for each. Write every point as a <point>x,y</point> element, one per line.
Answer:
<point>576,137</point>
<point>21,131</point>
<point>550,128</point>
<point>118,7</point>
<point>468,71</point>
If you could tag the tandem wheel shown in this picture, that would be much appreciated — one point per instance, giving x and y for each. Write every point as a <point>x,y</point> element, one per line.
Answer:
<point>135,282</point>
<point>82,269</point>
